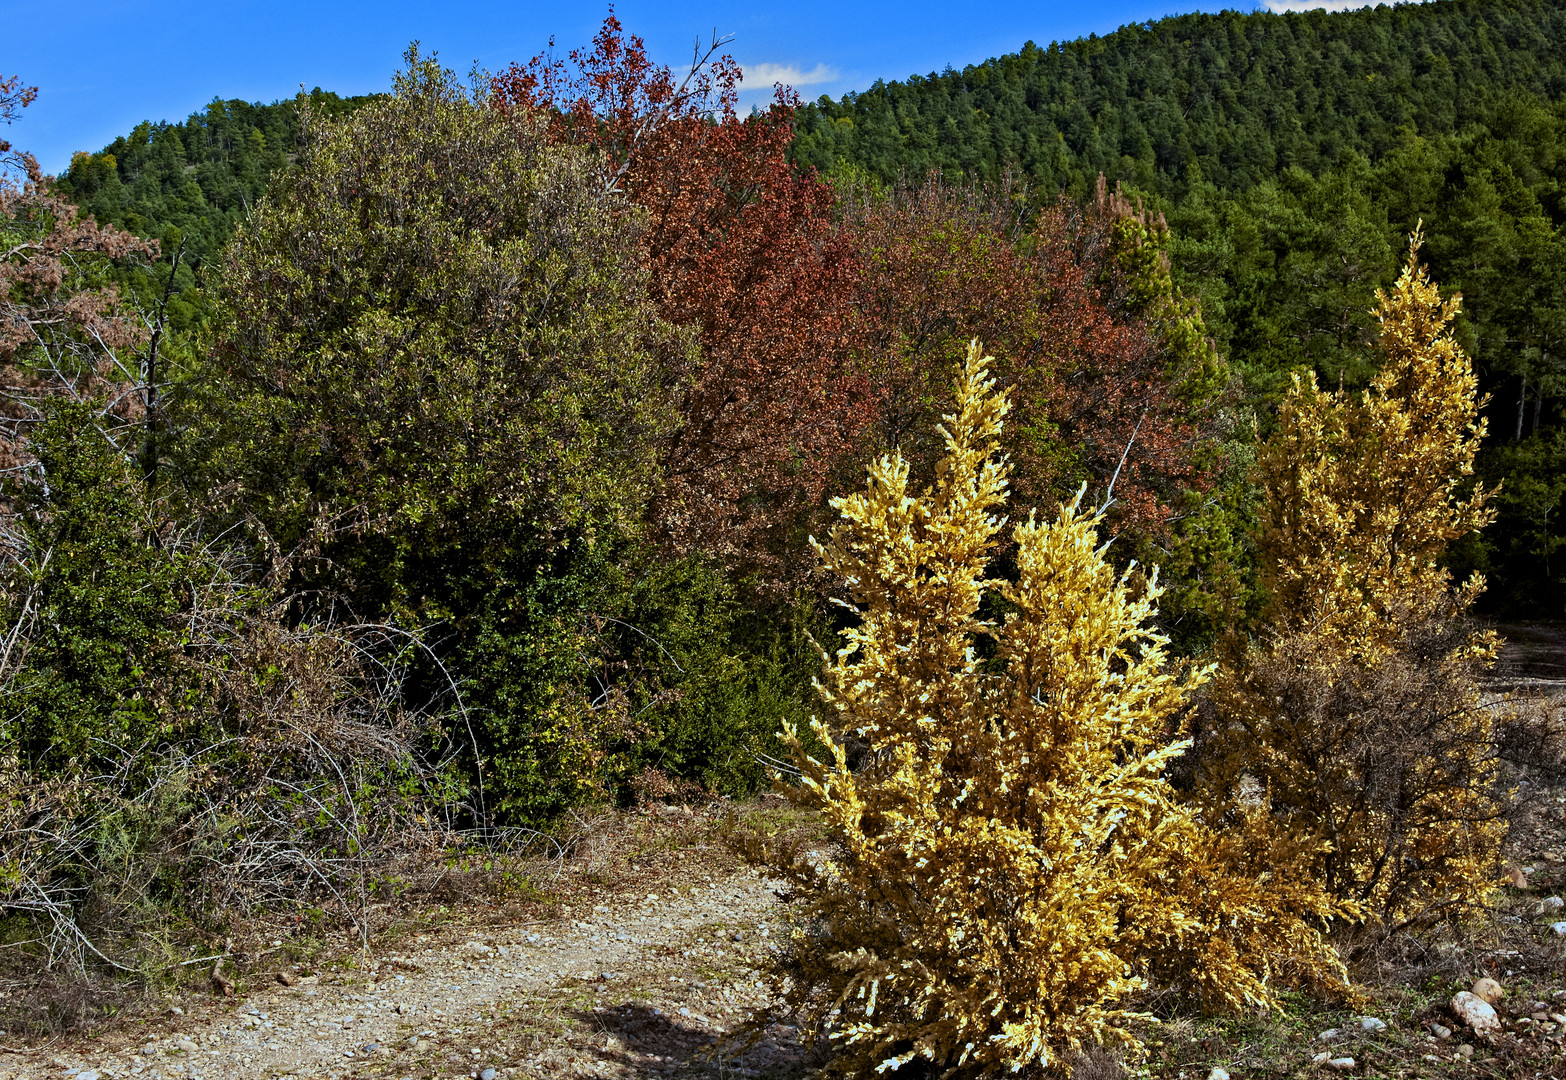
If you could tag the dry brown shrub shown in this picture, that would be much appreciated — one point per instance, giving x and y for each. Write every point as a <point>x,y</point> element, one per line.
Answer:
<point>1388,770</point>
<point>653,786</point>
<point>1531,733</point>
<point>299,781</point>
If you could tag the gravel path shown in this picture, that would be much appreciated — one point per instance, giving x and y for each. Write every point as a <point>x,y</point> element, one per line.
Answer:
<point>632,986</point>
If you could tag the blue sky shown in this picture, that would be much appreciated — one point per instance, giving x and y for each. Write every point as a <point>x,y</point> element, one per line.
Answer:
<point>102,66</point>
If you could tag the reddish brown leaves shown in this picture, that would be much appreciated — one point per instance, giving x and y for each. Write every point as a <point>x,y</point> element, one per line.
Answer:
<point>818,320</point>
<point>1114,395</point>
<point>59,331</point>
<point>742,249</point>
<point>44,307</point>
<point>943,265</point>
<point>14,97</point>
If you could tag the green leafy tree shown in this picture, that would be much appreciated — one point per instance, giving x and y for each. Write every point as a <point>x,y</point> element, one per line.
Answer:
<point>439,387</point>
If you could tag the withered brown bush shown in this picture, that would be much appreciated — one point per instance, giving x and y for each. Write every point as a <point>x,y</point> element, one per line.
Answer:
<point>1531,733</point>
<point>1389,768</point>
<point>287,774</point>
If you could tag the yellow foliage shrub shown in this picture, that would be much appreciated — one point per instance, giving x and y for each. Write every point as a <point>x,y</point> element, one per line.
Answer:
<point>1009,865</point>
<point>1364,492</point>
<point>1357,713</point>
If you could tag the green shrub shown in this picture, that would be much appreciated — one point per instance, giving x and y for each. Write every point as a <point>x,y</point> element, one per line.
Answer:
<point>93,599</point>
<point>581,670</point>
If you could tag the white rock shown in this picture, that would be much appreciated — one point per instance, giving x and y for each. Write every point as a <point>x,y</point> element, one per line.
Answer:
<point>1477,1014</point>
<point>1341,1064</point>
<point>1558,929</point>
<point>1441,1031</point>
<point>1551,904</point>
<point>1370,1023</point>
<point>1330,1035</point>
<point>1218,1073</point>
<point>1321,1058</point>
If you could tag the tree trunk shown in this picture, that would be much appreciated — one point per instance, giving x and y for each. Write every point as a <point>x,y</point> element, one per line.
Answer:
<point>1522,403</point>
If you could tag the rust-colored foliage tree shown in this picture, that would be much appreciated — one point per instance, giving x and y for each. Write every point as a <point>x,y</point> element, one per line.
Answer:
<point>742,247</point>
<point>1101,396</point>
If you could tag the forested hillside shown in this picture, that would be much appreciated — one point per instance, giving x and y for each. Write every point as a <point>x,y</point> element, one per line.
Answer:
<point>1293,155</point>
<point>199,177</point>
<point>1234,98</point>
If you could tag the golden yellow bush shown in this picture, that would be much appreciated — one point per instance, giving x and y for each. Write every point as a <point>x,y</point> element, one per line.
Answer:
<point>1363,492</point>
<point>1008,862</point>
<point>1357,712</point>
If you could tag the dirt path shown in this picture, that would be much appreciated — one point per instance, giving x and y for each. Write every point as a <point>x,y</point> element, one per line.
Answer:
<point>622,984</point>
<point>1533,658</point>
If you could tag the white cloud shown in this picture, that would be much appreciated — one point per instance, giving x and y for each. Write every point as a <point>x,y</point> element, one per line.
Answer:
<point>762,76</point>
<point>1276,6</point>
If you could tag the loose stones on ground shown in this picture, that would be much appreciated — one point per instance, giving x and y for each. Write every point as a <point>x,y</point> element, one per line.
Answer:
<point>1325,1060</point>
